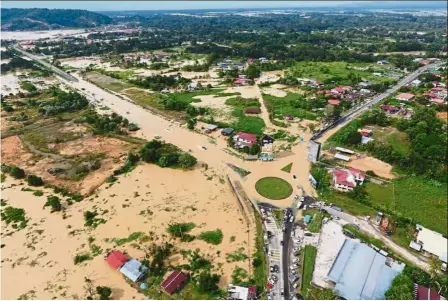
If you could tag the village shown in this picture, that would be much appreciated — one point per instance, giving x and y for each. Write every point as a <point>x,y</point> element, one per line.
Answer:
<point>178,173</point>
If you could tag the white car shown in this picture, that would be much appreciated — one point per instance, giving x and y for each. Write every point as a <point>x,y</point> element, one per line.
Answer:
<point>295,285</point>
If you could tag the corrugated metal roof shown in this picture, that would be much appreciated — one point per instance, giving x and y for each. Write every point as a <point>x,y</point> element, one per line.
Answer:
<point>361,273</point>
<point>133,269</point>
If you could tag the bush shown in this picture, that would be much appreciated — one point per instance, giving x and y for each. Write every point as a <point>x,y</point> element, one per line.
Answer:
<point>54,203</point>
<point>212,237</point>
<point>34,180</point>
<point>81,258</point>
<point>186,160</point>
<point>104,292</point>
<point>133,127</point>
<point>17,172</point>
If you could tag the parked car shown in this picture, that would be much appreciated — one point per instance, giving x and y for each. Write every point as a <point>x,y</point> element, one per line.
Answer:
<point>274,268</point>
<point>204,148</point>
<point>274,277</point>
<point>291,219</point>
<point>337,208</point>
<point>295,285</point>
<point>271,281</point>
<point>308,234</point>
<point>296,279</point>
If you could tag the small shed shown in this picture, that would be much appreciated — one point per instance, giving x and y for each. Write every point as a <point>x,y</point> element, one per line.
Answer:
<point>134,270</point>
<point>116,259</point>
<point>307,219</point>
<point>342,157</point>
<point>174,282</point>
<point>227,131</point>
<point>210,128</point>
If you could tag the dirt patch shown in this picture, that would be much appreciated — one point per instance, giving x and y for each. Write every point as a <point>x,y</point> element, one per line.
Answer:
<point>380,168</point>
<point>443,116</point>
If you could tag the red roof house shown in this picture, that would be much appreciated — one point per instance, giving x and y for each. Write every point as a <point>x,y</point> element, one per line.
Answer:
<point>438,101</point>
<point>338,90</point>
<point>334,102</point>
<point>241,81</point>
<point>243,139</point>
<point>390,109</point>
<point>424,293</point>
<point>405,96</point>
<point>346,180</point>
<point>252,111</point>
<point>175,281</point>
<point>252,292</point>
<point>365,132</point>
<point>116,259</point>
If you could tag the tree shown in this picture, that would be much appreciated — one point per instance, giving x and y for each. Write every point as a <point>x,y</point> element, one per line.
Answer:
<point>354,138</point>
<point>149,155</point>
<point>246,149</point>
<point>104,292</point>
<point>252,71</point>
<point>332,112</point>
<point>54,203</point>
<point>34,180</point>
<point>402,288</point>
<point>208,283</point>
<point>255,149</point>
<point>17,172</point>
<point>186,160</point>
<point>191,123</point>
<point>435,266</point>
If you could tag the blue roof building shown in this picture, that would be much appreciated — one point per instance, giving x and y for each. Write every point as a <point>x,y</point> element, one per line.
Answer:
<point>133,270</point>
<point>361,273</point>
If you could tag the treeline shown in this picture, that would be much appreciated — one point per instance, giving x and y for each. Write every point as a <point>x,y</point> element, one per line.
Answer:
<point>160,82</point>
<point>428,142</point>
<point>18,63</point>
<point>64,102</point>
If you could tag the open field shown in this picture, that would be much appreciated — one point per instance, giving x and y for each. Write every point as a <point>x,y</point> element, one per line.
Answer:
<point>327,71</point>
<point>152,199</point>
<point>280,106</point>
<point>273,188</point>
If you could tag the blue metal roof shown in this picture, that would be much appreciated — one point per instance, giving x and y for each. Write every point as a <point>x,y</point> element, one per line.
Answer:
<point>133,269</point>
<point>361,273</point>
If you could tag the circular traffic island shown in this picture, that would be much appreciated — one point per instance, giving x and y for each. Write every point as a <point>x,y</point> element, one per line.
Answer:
<point>273,188</point>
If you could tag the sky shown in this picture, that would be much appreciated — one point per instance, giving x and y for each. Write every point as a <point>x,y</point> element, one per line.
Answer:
<point>165,5</point>
<point>177,5</point>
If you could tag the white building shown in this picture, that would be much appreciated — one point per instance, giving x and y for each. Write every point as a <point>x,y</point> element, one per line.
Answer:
<point>431,242</point>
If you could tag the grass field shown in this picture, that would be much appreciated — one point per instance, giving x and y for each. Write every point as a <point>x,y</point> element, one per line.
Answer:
<point>280,106</point>
<point>316,223</point>
<point>308,267</point>
<point>287,168</point>
<point>393,137</point>
<point>337,71</point>
<point>249,124</point>
<point>273,188</point>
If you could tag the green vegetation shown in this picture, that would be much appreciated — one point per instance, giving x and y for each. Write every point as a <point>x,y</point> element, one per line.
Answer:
<point>309,259</point>
<point>131,237</point>
<point>402,288</point>
<point>181,230</point>
<point>53,202</point>
<point>38,193</point>
<point>103,292</point>
<point>166,155</point>
<point>212,237</point>
<point>316,223</point>
<point>91,220</point>
<point>364,237</point>
<point>287,168</point>
<point>26,85</point>
<point>13,171</point>
<point>34,180</point>
<point>293,104</point>
<point>237,255</point>
<point>259,261</point>
<point>249,124</point>
<point>79,258</point>
<point>273,188</point>
<point>14,217</point>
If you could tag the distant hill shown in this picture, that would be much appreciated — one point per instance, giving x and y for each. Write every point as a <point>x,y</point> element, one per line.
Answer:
<point>14,19</point>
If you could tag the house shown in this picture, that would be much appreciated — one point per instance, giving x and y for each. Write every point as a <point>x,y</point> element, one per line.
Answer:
<point>438,101</point>
<point>365,140</point>
<point>425,293</point>
<point>241,81</point>
<point>288,117</point>
<point>432,243</point>
<point>266,140</point>
<point>337,90</point>
<point>365,132</point>
<point>243,139</point>
<point>361,273</point>
<point>416,82</point>
<point>405,97</point>
<point>174,282</point>
<point>133,270</point>
<point>227,131</point>
<point>342,157</point>
<point>334,102</point>
<point>440,92</point>
<point>237,292</point>
<point>390,109</point>
<point>347,179</point>
<point>365,91</point>
<point>116,259</point>
<point>251,60</point>
<point>382,62</point>
<point>365,84</point>
<point>377,74</point>
<point>252,111</point>
<point>210,128</point>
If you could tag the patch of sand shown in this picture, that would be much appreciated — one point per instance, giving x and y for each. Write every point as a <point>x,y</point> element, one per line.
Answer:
<point>47,250</point>
<point>381,168</point>
<point>275,92</point>
<point>83,62</point>
<point>212,101</point>
<point>443,116</point>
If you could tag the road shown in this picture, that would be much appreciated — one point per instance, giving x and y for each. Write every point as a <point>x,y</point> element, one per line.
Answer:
<point>373,231</point>
<point>37,59</point>
<point>376,99</point>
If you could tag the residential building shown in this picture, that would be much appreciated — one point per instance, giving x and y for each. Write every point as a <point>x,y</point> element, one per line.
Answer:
<point>416,82</point>
<point>431,242</point>
<point>347,179</point>
<point>425,293</point>
<point>252,111</point>
<point>365,132</point>
<point>227,131</point>
<point>116,259</point>
<point>337,90</point>
<point>334,102</point>
<point>361,273</point>
<point>243,139</point>
<point>438,101</point>
<point>242,81</point>
<point>288,117</point>
<point>389,109</point>
<point>237,292</point>
<point>365,84</point>
<point>133,270</point>
<point>382,62</point>
<point>210,128</point>
<point>405,96</point>
<point>266,140</point>
<point>174,282</point>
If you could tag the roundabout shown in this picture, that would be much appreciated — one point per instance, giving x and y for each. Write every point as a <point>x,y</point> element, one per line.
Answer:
<point>273,188</point>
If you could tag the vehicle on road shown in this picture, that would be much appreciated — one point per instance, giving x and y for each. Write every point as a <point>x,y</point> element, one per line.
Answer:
<point>204,148</point>
<point>274,277</point>
<point>295,285</point>
<point>274,268</point>
<point>308,234</point>
<point>291,219</point>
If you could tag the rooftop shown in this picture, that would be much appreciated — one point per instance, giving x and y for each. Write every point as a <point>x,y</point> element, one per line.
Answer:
<point>116,259</point>
<point>433,242</point>
<point>133,269</point>
<point>173,282</point>
<point>361,273</point>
